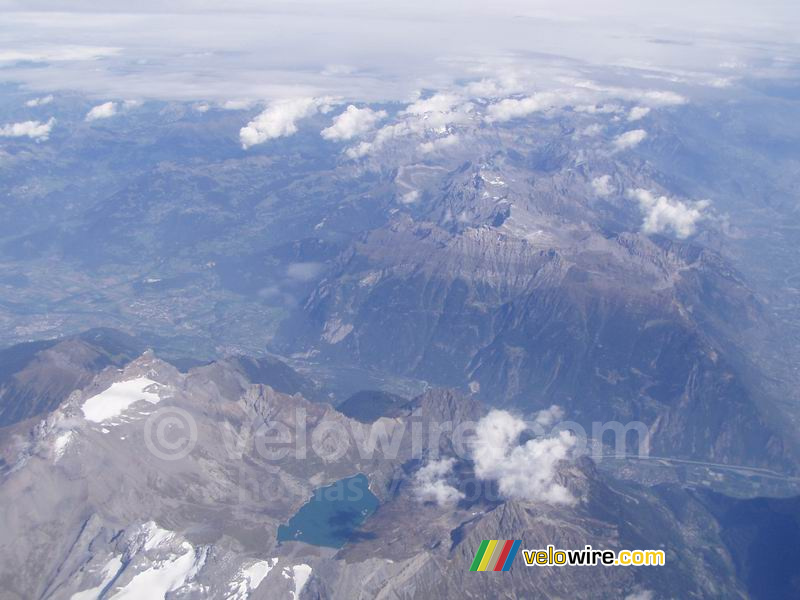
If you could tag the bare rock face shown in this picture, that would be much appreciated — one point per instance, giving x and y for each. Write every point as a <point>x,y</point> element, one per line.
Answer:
<point>36,377</point>
<point>555,302</point>
<point>432,550</point>
<point>101,502</point>
<point>153,481</point>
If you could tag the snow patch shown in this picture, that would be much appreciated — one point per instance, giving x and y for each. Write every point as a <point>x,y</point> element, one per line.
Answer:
<point>300,574</point>
<point>409,197</point>
<point>155,535</point>
<point>159,573</point>
<point>370,279</point>
<point>496,180</point>
<point>110,570</point>
<point>249,578</point>
<point>60,444</point>
<point>115,400</point>
<point>335,331</point>
<point>164,576</point>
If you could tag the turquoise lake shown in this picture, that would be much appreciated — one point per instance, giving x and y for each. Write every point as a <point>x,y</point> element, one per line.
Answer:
<point>333,514</point>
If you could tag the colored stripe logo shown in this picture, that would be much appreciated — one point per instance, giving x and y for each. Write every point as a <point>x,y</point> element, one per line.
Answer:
<point>495,555</point>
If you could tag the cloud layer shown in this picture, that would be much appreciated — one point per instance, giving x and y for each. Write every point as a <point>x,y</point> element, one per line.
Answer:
<point>379,50</point>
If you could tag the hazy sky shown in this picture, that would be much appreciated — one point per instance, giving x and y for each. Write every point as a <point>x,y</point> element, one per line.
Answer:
<point>380,50</point>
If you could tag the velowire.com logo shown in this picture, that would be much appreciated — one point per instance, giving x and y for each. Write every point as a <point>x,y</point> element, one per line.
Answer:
<point>495,555</point>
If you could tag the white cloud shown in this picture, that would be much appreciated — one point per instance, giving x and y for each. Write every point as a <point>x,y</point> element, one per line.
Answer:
<point>360,150</point>
<point>304,271</point>
<point>485,88</point>
<point>663,214</point>
<point>439,144</point>
<point>602,185</point>
<point>658,98</point>
<point>591,130</point>
<point>511,108</point>
<point>59,53</point>
<point>497,86</point>
<point>437,113</point>
<point>353,122</point>
<point>526,472</point>
<point>278,120</point>
<point>384,135</point>
<point>548,417</point>
<point>640,595</point>
<point>102,111</point>
<point>409,197</point>
<point>638,112</point>
<point>237,104</point>
<point>629,139</point>
<point>721,82</point>
<point>36,130</point>
<point>438,103</point>
<point>431,483</point>
<point>586,97</point>
<point>652,98</point>
<point>41,101</point>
